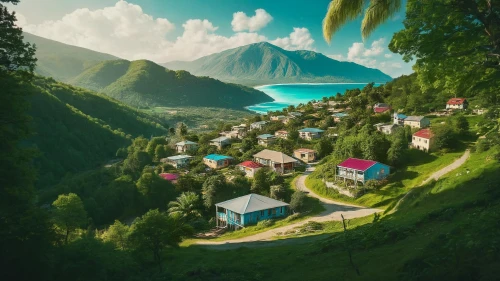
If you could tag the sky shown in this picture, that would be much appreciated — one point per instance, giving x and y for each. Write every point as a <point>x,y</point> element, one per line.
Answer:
<point>170,30</point>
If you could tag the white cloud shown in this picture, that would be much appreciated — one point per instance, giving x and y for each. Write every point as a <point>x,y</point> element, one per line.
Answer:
<point>21,20</point>
<point>299,39</point>
<point>388,56</point>
<point>338,57</point>
<point>242,22</point>
<point>124,30</point>
<point>376,49</point>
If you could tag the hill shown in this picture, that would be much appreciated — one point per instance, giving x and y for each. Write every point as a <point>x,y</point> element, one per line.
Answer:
<point>146,84</point>
<point>61,61</point>
<point>77,129</point>
<point>264,63</point>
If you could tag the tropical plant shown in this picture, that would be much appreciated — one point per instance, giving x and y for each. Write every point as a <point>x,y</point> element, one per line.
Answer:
<point>187,205</point>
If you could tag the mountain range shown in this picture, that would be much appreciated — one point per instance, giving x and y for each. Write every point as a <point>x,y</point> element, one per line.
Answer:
<point>264,63</point>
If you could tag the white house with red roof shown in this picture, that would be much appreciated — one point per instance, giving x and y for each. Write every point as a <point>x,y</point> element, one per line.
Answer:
<point>249,167</point>
<point>381,108</point>
<point>457,103</point>
<point>423,140</point>
<point>360,170</point>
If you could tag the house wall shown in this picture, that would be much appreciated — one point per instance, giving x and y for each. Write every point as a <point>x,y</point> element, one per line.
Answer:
<point>216,164</point>
<point>418,124</point>
<point>306,157</point>
<point>422,143</point>
<point>186,148</point>
<point>377,172</point>
<point>249,172</point>
<point>255,217</point>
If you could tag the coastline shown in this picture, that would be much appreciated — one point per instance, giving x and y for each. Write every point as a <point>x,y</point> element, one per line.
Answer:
<point>312,84</point>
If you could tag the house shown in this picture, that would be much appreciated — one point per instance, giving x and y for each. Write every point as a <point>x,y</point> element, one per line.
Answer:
<point>282,134</point>
<point>339,115</point>
<point>310,133</point>
<point>220,142</point>
<point>258,125</point>
<point>230,134</point>
<point>178,161</point>
<point>418,122</point>
<point>399,119</point>
<point>381,108</point>
<point>266,139</point>
<point>423,140</point>
<point>241,129</point>
<point>360,170</point>
<point>277,161</point>
<point>170,177</point>
<point>295,114</point>
<point>280,118</point>
<point>247,210</point>
<point>305,155</point>
<point>185,146</point>
<point>217,161</point>
<point>249,167</point>
<point>387,129</point>
<point>479,111</point>
<point>457,103</point>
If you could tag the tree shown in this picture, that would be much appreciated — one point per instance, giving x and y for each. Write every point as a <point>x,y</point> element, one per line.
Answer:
<point>324,147</point>
<point>277,192</point>
<point>117,234</point>
<point>186,205</point>
<point>155,231</point>
<point>211,188</point>
<point>69,214</point>
<point>341,11</point>
<point>460,124</point>
<point>154,143</point>
<point>157,192</point>
<point>399,145</point>
<point>297,203</point>
<point>135,162</point>
<point>444,136</point>
<point>261,182</point>
<point>293,135</point>
<point>181,129</point>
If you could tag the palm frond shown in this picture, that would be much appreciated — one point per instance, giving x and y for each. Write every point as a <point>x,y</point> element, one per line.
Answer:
<point>377,13</point>
<point>339,12</point>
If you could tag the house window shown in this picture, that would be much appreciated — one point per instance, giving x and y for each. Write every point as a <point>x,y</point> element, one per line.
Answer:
<point>282,210</point>
<point>261,213</point>
<point>274,211</point>
<point>414,138</point>
<point>269,212</point>
<point>425,141</point>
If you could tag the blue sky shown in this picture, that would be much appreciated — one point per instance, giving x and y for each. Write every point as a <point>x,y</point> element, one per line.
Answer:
<point>165,30</point>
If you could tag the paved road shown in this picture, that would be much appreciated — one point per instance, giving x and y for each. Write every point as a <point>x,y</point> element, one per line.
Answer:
<point>333,210</point>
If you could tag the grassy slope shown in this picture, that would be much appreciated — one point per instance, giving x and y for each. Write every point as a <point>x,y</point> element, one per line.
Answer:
<point>146,84</point>
<point>415,241</point>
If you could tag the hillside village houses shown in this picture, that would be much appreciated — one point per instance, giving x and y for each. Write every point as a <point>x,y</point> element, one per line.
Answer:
<point>423,140</point>
<point>280,118</point>
<point>337,117</point>
<point>381,108</point>
<point>310,133</point>
<point>399,119</point>
<point>282,134</point>
<point>295,114</point>
<point>277,161</point>
<point>178,161</point>
<point>305,155</point>
<point>230,134</point>
<point>266,139</point>
<point>185,146</point>
<point>220,142</point>
<point>417,121</point>
<point>217,161</point>
<point>360,170</point>
<point>258,125</point>
<point>387,129</point>
<point>457,103</point>
<point>249,168</point>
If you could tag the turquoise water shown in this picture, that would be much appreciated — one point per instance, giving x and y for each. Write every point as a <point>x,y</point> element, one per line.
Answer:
<point>293,94</point>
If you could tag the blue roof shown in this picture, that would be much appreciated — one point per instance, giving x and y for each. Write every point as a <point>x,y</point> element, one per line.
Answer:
<point>402,116</point>
<point>341,114</point>
<point>217,157</point>
<point>179,157</point>
<point>265,136</point>
<point>311,130</point>
<point>185,142</point>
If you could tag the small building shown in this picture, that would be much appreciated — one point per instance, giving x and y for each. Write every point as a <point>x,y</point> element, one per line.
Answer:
<point>360,170</point>
<point>277,161</point>
<point>278,118</point>
<point>185,146</point>
<point>247,210</point>
<point>381,108</point>
<point>178,161</point>
<point>266,139</point>
<point>305,155</point>
<point>339,116</point>
<point>457,103</point>
<point>423,140</point>
<point>295,114</point>
<point>220,142</point>
<point>258,125</point>
<point>418,122</point>
<point>217,161</point>
<point>281,134</point>
<point>249,167</point>
<point>310,133</point>
<point>169,177</point>
<point>399,119</point>
<point>230,134</point>
<point>387,129</point>
<point>241,129</point>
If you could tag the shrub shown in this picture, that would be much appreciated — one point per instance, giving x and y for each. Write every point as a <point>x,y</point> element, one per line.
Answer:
<point>265,224</point>
<point>297,203</point>
<point>482,145</point>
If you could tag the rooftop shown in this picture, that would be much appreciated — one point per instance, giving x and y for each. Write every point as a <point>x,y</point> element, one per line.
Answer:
<point>275,156</point>
<point>169,177</point>
<point>217,157</point>
<point>250,164</point>
<point>179,157</point>
<point>456,101</point>
<point>357,164</point>
<point>259,123</point>
<point>402,116</point>
<point>311,130</point>
<point>414,118</point>
<point>250,203</point>
<point>266,136</point>
<point>383,105</point>
<point>185,142</point>
<point>307,150</point>
<point>220,139</point>
<point>424,133</point>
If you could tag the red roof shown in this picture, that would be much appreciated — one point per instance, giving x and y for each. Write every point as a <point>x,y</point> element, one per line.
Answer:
<point>169,177</point>
<point>357,164</point>
<point>456,101</point>
<point>381,109</point>
<point>250,164</point>
<point>424,133</point>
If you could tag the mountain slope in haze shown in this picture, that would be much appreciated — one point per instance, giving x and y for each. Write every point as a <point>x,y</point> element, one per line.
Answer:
<point>61,61</point>
<point>146,84</point>
<point>264,63</point>
<point>77,129</point>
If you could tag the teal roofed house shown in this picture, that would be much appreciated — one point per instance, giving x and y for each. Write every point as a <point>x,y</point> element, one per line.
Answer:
<point>247,210</point>
<point>217,161</point>
<point>399,119</point>
<point>177,161</point>
<point>266,139</point>
<point>310,133</point>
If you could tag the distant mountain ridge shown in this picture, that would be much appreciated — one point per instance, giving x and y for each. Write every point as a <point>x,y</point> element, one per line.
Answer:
<point>264,63</point>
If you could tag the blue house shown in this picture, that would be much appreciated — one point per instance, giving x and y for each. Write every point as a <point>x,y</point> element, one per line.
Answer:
<point>359,170</point>
<point>217,161</point>
<point>247,210</point>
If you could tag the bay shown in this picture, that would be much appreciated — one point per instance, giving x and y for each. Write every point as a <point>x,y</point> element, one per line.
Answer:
<point>294,94</point>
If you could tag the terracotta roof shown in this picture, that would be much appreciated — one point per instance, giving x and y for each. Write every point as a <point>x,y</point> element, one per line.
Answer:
<point>381,109</point>
<point>357,164</point>
<point>456,101</point>
<point>304,150</point>
<point>250,164</point>
<point>424,133</point>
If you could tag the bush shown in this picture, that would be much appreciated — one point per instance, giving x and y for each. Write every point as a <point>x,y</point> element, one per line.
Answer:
<point>482,145</point>
<point>297,203</point>
<point>265,224</point>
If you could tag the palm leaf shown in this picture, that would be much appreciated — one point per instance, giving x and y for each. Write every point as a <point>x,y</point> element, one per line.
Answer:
<point>339,12</point>
<point>377,13</point>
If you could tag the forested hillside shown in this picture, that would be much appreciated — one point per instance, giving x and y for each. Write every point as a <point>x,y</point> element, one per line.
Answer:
<point>78,129</point>
<point>146,84</point>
